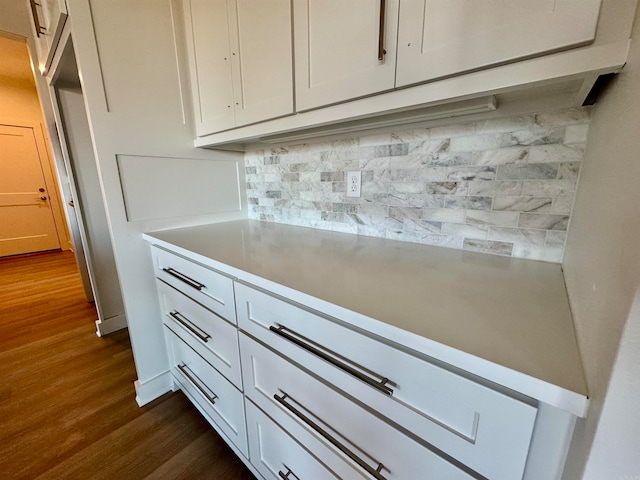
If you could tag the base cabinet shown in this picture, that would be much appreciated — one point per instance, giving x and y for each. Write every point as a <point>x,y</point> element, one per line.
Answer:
<point>299,394</point>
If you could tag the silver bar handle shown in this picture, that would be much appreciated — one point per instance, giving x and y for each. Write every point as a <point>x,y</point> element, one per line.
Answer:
<point>40,30</point>
<point>199,384</point>
<point>183,278</point>
<point>189,325</point>
<point>285,476</point>
<point>378,385</point>
<point>381,50</point>
<point>375,473</point>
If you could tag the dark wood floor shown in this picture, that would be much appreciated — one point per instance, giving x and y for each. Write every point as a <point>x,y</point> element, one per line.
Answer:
<point>67,402</point>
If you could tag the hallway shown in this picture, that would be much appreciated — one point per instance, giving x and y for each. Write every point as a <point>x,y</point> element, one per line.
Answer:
<point>67,406</point>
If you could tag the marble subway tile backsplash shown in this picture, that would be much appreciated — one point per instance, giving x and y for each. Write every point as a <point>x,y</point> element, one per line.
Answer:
<point>504,186</point>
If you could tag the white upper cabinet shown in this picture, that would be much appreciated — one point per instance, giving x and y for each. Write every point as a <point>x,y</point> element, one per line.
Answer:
<point>49,17</point>
<point>344,49</point>
<point>438,38</point>
<point>210,64</point>
<point>263,66</point>
<point>240,59</point>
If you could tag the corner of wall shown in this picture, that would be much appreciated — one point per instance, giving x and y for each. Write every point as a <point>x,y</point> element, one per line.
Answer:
<point>602,262</point>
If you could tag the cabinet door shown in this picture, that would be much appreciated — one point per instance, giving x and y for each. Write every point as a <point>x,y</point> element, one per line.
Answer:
<point>336,50</point>
<point>207,27</point>
<point>49,17</point>
<point>262,62</point>
<point>437,38</point>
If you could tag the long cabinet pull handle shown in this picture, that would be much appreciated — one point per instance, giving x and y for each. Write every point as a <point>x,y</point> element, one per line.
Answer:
<point>36,20</point>
<point>193,378</point>
<point>381,50</point>
<point>375,473</point>
<point>182,277</point>
<point>378,385</point>
<point>189,325</point>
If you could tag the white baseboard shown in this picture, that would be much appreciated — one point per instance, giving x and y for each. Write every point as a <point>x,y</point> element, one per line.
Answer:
<point>110,325</point>
<point>153,388</point>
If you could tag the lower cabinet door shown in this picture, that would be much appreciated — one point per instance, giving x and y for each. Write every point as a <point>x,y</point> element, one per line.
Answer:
<point>220,402</point>
<point>334,428</point>
<point>276,455</point>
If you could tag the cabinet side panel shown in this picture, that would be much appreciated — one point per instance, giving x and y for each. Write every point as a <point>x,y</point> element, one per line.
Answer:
<point>161,187</point>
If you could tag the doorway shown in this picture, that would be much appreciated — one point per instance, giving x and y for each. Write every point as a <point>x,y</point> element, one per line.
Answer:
<point>27,222</point>
<point>86,228</point>
<point>31,215</point>
<point>85,202</point>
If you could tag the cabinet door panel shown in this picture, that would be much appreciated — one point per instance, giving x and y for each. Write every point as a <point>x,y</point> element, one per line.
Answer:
<point>333,427</point>
<point>336,50</point>
<point>437,38</point>
<point>207,28</point>
<point>262,60</point>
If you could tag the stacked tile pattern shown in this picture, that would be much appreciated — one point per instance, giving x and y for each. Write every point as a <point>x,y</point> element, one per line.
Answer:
<point>504,186</point>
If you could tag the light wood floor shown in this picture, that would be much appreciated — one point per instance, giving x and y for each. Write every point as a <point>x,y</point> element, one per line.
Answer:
<point>67,402</point>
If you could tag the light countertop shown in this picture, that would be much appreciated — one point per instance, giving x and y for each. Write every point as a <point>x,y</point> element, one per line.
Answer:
<point>505,319</point>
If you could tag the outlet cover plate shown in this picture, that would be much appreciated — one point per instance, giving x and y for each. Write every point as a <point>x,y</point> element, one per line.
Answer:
<point>354,182</point>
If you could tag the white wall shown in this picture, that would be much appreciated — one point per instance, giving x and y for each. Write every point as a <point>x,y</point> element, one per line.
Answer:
<point>131,66</point>
<point>616,447</point>
<point>602,270</point>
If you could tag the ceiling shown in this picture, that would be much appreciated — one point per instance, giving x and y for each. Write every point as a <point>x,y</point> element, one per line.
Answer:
<point>14,60</point>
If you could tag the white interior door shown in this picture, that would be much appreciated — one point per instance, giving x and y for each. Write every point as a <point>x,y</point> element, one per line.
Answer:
<point>26,217</point>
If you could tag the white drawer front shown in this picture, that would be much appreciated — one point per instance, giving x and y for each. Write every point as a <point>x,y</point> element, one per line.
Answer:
<point>484,429</point>
<point>219,400</point>
<point>209,288</point>
<point>215,339</point>
<point>324,420</point>
<point>274,453</point>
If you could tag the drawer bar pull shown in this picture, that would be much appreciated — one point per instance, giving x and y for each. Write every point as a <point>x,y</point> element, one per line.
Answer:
<point>375,473</point>
<point>378,385</point>
<point>381,50</point>
<point>285,476</point>
<point>189,325</point>
<point>199,384</point>
<point>182,277</point>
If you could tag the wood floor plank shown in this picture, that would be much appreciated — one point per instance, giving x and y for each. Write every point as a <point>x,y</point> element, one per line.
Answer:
<point>67,402</point>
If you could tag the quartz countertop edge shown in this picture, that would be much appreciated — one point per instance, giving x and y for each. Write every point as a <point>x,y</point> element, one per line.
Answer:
<point>503,319</point>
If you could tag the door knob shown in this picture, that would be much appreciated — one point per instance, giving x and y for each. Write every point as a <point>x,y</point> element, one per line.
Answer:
<point>41,190</point>
<point>71,204</point>
<point>43,198</point>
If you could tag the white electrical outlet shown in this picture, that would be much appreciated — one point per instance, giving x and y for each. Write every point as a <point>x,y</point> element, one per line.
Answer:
<point>354,182</point>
